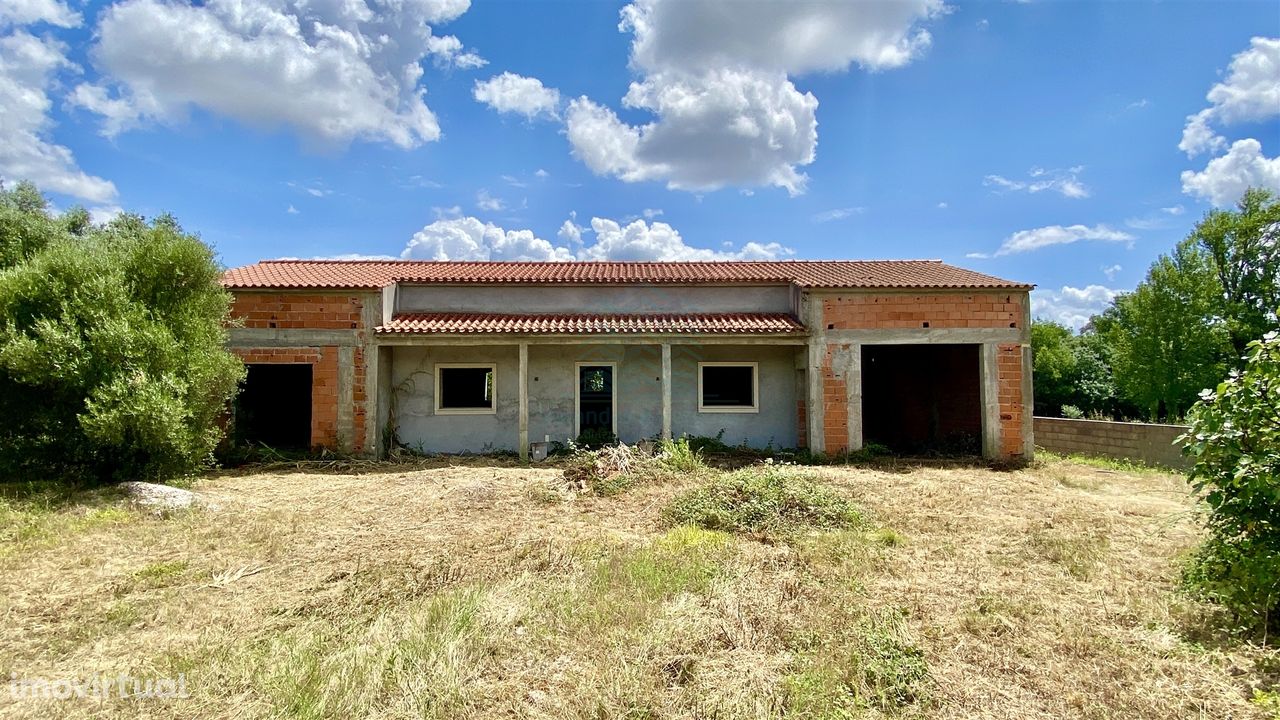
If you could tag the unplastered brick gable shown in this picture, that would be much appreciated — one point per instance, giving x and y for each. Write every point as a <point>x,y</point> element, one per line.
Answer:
<point>883,311</point>
<point>290,311</point>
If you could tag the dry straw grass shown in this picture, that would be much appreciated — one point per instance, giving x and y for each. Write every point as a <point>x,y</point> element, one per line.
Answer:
<point>479,592</point>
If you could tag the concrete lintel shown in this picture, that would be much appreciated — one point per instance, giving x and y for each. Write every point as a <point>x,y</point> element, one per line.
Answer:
<point>426,340</point>
<point>278,337</point>
<point>941,336</point>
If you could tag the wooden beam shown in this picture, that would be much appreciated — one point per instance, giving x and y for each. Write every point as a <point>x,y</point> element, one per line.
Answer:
<point>524,401</point>
<point>666,391</point>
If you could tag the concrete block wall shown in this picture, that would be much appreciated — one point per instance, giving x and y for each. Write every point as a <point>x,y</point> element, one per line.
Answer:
<point>842,322</point>
<point>298,327</point>
<point>1140,442</point>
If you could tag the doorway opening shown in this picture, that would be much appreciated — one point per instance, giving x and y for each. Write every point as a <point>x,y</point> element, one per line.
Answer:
<point>596,403</point>
<point>922,399</point>
<point>274,406</point>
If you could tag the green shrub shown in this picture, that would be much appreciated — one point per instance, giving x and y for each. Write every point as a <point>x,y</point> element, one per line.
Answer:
<point>1235,441</point>
<point>680,456</point>
<point>594,439</point>
<point>759,499</point>
<point>112,358</point>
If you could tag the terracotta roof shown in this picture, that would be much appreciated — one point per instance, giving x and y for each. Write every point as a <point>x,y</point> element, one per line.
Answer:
<point>371,274</point>
<point>484,323</point>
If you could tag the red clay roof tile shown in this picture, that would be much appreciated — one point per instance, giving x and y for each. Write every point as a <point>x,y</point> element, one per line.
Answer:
<point>484,323</point>
<point>372,274</point>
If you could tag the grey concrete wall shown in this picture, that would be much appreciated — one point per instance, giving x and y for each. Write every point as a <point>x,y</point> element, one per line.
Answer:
<point>413,405</point>
<point>552,376</point>
<point>593,299</point>
<point>1140,442</point>
<point>775,423</point>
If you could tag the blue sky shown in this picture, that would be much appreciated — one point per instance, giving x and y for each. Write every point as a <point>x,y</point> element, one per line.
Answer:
<point>1060,143</point>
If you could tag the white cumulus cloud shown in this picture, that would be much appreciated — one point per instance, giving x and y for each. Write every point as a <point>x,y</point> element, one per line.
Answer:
<point>336,71</point>
<point>791,37</point>
<point>511,93</point>
<point>1249,93</point>
<point>1028,240</point>
<point>29,66</point>
<point>1071,306</point>
<point>639,240</point>
<point>468,238</point>
<point>725,110</point>
<point>723,127</point>
<point>29,12</point>
<point>1224,180</point>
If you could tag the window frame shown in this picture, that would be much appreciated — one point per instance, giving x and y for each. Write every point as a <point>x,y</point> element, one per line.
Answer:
<point>755,388</point>
<point>492,367</point>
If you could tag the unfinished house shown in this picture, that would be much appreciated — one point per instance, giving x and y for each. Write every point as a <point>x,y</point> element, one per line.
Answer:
<point>455,357</point>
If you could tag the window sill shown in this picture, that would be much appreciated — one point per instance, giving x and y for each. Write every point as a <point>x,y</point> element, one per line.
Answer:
<point>466,411</point>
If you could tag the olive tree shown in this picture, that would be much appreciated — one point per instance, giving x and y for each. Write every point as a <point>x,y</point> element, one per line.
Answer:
<point>112,358</point>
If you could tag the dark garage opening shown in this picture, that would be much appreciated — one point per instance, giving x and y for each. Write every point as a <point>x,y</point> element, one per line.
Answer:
<point>922,398</point>
<point>274,406</point>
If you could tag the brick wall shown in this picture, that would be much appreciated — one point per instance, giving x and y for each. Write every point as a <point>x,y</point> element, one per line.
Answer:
<point>1009,368</point>
<point>1140,442</point>
<point>835,401</point>
<point>924,310</point>
<point>935,311</point>
<point>287,311</point>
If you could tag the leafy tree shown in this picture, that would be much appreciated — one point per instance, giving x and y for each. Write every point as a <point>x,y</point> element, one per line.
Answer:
<point>112,359</point>
<point>1054,367</point>
<point>1166,339</point>
<point>1244,247</point>
<point>1235,440</point>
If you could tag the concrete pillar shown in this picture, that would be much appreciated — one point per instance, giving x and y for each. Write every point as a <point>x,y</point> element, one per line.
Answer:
<point>816,400</point>
<point>853,390</point>
<point>666,391</point>
<point>989,382</point>
<point>1028,407</point>
<point>382,401</point>
<point>524,401</point>
<point>346,398</point>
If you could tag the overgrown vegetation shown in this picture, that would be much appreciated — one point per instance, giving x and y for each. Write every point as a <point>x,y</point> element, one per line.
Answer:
<point>451,592</point>
<point>762,498</point>
<point>1150,353</point>
<point>112,359</point>
<point>1235,440</point>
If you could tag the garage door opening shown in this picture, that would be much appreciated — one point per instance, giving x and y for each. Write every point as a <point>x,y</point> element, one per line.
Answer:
<point>922,399</point>
<point>274,406</point>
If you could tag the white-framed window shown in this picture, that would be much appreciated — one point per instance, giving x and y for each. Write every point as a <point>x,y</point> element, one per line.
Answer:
<point>728,387</point>
<point>466,388</point>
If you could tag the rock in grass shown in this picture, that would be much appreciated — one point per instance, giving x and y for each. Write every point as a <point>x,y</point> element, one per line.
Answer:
<point>163,498</point>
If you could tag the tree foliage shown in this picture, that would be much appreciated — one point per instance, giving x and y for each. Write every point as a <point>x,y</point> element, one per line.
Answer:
<point>1187,323</point>
<point>1166,338</point>
<point>1235,441</point>
<point>112,359</point>
<point>1244,249</point>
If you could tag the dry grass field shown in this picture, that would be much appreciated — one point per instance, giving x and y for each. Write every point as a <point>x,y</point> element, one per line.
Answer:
<point>490,592</point>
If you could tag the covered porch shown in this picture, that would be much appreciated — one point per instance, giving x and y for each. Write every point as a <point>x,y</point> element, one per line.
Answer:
<point>469,391</point>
